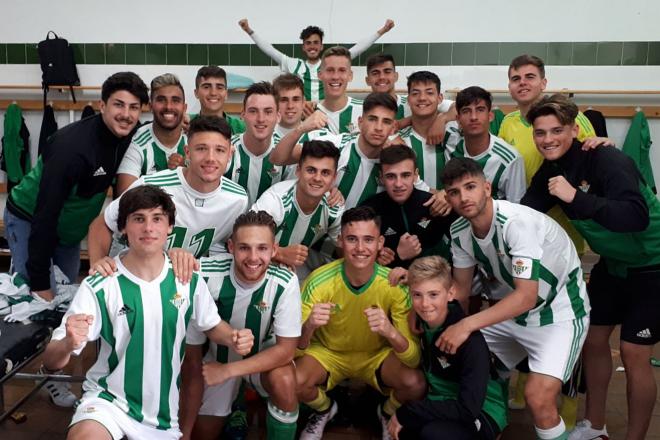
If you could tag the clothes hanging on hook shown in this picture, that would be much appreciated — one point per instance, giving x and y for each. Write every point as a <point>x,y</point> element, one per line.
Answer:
<point>48,127</point>
<point>638,145</point>
<point>15,146</point>
<point>597,120</point>
<point>87,112</point>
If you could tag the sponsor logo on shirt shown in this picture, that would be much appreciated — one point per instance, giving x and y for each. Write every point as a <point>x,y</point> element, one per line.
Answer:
<point>99,172</point>
<point>273,172</point>
<point>522,267</point>
<point>262,307</point>
<point>178,300</point>
<point>199,203</point>
<point>584,186</point>
<point>424,222</point>
<point>124,310</point>
<point>390,231</point>
<point>90,409</point>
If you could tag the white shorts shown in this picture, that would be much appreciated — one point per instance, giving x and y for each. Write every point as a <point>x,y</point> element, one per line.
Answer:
<point>217,399</point>
<point>117,422</point>
<point>552,349</point>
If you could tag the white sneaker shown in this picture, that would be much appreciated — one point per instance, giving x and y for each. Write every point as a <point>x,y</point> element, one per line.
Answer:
<point>383,423</point>
<point>60,392</point>
<point>316,423</point>
<point>584,431</point>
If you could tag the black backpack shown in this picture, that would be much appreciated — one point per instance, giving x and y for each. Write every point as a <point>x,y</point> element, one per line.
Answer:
<point>57,64</point>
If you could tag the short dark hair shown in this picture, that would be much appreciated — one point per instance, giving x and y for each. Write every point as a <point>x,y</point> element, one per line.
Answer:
<point>360,214</point>
<point>209,123</point>
<point>210,72</point>
<point>319,150</point>
<point>287,81</point>
<point>259,88</point>
<point>396,153</point>
<point>459,167</point>
<point>423,76</point>
<point>557,105</point>
<point>472,95</point>
<point>526,60</point>
<point>144,197</point>
<point>127,81</point>
<point>311,30</point>
<point>254,218</point>
<point>378,59</point>
<point>379,99</point>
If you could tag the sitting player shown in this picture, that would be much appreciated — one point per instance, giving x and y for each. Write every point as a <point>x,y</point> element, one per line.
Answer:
<point>251,293</point>
<point>144,317</point>
<point>355,326</point>
<point>464,399</point>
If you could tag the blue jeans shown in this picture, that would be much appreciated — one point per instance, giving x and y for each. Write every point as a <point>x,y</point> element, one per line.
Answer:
<point>17,232</point>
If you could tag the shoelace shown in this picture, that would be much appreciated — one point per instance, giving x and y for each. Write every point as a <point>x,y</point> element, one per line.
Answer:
<point>313,422</point>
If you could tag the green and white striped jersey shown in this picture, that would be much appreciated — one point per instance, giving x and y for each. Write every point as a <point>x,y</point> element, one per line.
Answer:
<point>358,177</point>
<point>344,120</point>
<point>403,109</point>
<point>202,219</point>
<point>503,166</point>
<point>525,244</point>
<point>254,173</point>
<point>143,327</point>
<point>146,154</point>
<point>271,307</point>
<point>431,159</point>
<point>293,225</point>
<point>289,170</point>
<point>309,73</point>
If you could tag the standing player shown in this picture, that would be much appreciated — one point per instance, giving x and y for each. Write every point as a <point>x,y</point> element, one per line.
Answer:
<point>406,223</point>
<point>211,91</point>
<point>605,197</point>
<point>301,209</point>
<point>312,48</point>
<point>159,145</point>
<point>355,326</point>
<point>502,164</point>
<point>545,316</point>
<point>207,203</point>
<point>251,166</point>
<point>424,97</point>
<point>250,293</point>
<point>465,399</point>
<point>143,317</point>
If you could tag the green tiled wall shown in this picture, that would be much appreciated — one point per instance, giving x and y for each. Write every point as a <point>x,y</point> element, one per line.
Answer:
<point>604,53</point>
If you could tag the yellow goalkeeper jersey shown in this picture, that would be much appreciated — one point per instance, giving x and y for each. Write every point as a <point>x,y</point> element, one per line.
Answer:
<point>348,330</point>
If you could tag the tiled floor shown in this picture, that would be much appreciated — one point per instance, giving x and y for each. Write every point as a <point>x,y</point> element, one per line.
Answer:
<point>48,422</point>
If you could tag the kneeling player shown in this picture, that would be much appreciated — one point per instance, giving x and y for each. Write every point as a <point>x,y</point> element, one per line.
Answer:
<point>545,315</point>
<point>355,326</point>
<point>144,316</point>
<point>464,400</point>
<point>251,293</point>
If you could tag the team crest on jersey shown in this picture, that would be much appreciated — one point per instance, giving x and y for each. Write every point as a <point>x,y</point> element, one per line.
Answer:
<point>584,186</point>
<point>522,267</point>
<point>352,128</point>
<point>335,309</point>
<point>178,300</point>
<point>317,229</point>
<point>424,222</point>
<point>199,203</point>
<point>444,363</point>
<point>273,172</point>
<point>262,307</point>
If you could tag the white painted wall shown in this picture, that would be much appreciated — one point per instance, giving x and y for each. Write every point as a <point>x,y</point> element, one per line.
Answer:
<point>213,21</point>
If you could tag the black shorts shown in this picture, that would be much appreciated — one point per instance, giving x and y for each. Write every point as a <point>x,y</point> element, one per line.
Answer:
<point>633,302</point>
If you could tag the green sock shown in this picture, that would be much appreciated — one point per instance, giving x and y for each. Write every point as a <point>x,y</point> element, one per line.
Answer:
<point>280,425</point>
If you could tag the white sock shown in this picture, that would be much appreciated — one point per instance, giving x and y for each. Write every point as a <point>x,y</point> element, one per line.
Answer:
<point>551,433</point>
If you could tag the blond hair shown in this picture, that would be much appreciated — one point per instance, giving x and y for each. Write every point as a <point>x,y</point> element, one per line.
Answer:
<point>432,267</point>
